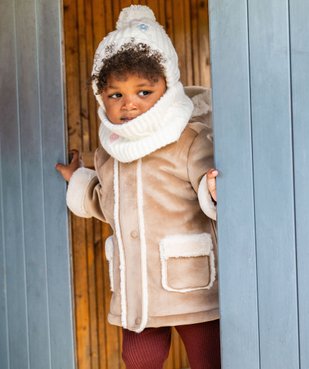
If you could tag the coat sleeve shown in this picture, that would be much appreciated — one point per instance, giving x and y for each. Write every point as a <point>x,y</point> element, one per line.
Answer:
<point>200,160</point>
<point>83,194</point>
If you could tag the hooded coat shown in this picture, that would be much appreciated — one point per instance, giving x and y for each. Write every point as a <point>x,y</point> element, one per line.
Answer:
<point>163,252</point>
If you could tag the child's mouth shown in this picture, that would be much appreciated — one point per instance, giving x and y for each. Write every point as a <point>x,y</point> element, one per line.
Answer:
<point>126,119</point>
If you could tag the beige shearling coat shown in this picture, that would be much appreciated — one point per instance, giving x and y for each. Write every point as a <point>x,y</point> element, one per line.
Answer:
<point>163,253</point>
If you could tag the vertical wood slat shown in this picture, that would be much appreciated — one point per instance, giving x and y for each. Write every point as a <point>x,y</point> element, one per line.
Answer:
<point>82,319</point>
<point>72,75</point>
<point>273,178</point>
<point>299,29</point>
<point>233,152</point>
<point>34,223</point>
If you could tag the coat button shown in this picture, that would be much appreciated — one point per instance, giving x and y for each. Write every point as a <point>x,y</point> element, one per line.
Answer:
<point>134,234</point>
<point>137,321</point>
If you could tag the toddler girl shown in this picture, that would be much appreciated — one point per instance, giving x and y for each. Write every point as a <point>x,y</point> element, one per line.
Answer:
<point>150,185</point>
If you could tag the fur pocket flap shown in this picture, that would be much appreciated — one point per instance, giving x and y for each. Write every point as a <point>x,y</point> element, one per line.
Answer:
<point>187,262</point>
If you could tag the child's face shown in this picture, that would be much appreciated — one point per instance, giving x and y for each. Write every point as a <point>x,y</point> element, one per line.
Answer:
<point>125,99</point>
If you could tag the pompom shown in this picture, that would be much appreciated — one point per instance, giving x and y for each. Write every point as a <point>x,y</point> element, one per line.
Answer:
<point>135,12</point>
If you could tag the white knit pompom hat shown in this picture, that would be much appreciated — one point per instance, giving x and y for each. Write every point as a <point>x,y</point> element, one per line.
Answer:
<point>137,24</point>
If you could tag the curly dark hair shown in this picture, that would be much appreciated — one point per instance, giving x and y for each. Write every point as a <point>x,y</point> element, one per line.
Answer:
<point>131,58</point>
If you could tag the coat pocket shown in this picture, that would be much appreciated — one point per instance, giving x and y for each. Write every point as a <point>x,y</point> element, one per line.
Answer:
<point>109,253</point>
<point>187,262</point>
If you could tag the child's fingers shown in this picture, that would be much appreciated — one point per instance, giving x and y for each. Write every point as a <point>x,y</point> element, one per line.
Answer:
<point>59,167</point>
<point>212,173</point>
<point>211,182</point>
<point>73,155</point>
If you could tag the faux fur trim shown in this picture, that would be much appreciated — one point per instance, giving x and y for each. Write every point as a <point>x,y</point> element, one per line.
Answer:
<point>205,200</point>
<point>185,246</point>
<point>159,126</point>
<point>182,245</point>
<point>77,190</point>
<point>109,253</point>
<point>122,267</point>
<point>143,246</point>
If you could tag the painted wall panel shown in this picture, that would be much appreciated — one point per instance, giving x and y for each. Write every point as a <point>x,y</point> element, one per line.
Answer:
<point>273,181</point>
<point>4,339</point>
<point>299,30</point>
<point>236,223</point>
<point>32,191</point>
<point>53,139</point>
<point>36,307</point>
<point>12,221</point>
<point>278,78</point>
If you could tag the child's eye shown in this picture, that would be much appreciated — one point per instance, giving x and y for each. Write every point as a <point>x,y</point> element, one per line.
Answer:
<point>116,95</point>
<point>144,93</point>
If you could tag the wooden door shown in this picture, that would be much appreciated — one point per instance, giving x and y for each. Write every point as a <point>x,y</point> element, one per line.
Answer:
<point>260,79</point>
<point>86,22</point>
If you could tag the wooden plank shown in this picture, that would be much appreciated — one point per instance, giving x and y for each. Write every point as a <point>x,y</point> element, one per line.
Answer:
<point>299,28</point>
<point>72,74</point>
<point>233,152</point>
<point>100,292</point>
<point>169,25</point>
<point>204,58</point>
<point>162,14</point>
<point>188,42</point>
<point>82,51</point>
<point>154,6</point>
<point>195,43</point>
<point>273,178</point>
<point>83,342</point>
<point>179,36</point>
<point>91,281</point>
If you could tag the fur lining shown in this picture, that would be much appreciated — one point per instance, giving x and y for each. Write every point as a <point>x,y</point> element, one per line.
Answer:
<point>109,253</point>
<point>77,190</point>
<point>185,246</point>
<point>122,266</point>
<point>143,245</point>
<point>182,245</point>
<point>205,201</point>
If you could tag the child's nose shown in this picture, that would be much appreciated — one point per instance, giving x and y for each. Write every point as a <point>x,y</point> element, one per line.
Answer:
<point>128,103</point>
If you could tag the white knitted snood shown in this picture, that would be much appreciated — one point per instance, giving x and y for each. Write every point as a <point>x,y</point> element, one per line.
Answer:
<point>159,126</point>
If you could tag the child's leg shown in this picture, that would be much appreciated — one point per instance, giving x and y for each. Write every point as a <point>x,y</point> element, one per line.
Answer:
<point>146,350</point>
<point>202,342</point>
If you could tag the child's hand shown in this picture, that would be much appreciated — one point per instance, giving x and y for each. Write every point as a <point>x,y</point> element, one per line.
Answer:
<point>211,182</point>
<point>67,170</point>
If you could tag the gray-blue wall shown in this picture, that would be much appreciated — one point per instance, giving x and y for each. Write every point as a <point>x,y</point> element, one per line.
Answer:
<point>260,78</point>
<point>36,323</point>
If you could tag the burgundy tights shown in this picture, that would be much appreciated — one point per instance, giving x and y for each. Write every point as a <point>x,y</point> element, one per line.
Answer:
<point>149,349</point>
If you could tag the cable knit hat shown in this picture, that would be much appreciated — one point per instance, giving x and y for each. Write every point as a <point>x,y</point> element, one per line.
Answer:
<point>137,24</point>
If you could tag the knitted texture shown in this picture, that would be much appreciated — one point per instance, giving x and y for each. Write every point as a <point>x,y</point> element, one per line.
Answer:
<point>137,24</point>
<point>156,128</point>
